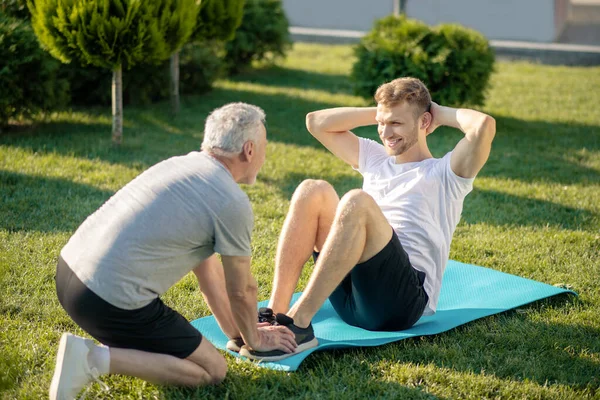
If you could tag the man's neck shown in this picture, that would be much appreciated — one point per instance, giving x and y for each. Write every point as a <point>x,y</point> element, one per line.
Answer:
<point>229,164</point>
<point>416,153</point>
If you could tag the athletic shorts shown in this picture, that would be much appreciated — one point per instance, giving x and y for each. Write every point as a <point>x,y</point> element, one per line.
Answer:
<point>384,293</point>
<point>154,328</point>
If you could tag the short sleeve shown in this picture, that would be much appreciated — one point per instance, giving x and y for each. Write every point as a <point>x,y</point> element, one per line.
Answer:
<point>457,187</point>
<point>370,154</point>
<point>233,228</point>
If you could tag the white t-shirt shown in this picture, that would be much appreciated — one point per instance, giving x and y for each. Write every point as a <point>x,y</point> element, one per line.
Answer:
<point>158,227</point>
<point>422,202</point>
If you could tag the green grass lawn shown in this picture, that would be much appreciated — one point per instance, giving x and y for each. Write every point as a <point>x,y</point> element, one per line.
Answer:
<point>534,212</point>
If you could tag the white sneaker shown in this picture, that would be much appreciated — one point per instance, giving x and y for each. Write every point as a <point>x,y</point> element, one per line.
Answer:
<point>72,372</point>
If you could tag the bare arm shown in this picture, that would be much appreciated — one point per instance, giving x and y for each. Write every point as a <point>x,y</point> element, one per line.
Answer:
<point>242,290</point>
<point>332,127</point>
<point>472,152</point>
<point>211,280</point>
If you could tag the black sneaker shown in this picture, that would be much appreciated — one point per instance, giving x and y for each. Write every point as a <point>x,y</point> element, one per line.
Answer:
<point>265,314</point>
<point>305,338</point>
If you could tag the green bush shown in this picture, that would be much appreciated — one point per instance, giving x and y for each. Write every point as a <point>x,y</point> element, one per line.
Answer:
<point>263,34</point>
<point>200,64</point>
<point>218,19</point>
<point>29,79</point>
<point>14,8</point>
<point>453,61</point>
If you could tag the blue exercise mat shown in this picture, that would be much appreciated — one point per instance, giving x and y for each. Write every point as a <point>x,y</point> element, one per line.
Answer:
<point>468,293</point>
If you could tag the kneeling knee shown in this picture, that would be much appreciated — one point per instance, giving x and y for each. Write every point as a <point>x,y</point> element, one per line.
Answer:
<point>209,376</point>
<point>218,374</point>
<point>218,379</point>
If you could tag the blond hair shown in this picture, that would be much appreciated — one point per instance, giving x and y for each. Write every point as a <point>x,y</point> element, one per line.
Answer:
<point>410,90</point>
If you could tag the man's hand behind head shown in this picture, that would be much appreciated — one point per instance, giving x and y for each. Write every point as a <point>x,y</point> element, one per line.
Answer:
<point>435,123</point>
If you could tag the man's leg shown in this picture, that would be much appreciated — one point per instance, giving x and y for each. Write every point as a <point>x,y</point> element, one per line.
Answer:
<point>359,232</point>
<point>306,227</point>
<point>79,362</point>
<point>172,351</point>
<point>205,366</point>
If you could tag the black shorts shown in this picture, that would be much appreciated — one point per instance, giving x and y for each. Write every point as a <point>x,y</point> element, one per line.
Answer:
<point>154,328</point>
<point>384,293</point>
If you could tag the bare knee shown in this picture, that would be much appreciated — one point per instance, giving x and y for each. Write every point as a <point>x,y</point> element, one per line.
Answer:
<point>218,375</point>
<point>210,366</point>
<point>314,191</point>
<point>213,375</point>
<point>356,203</point>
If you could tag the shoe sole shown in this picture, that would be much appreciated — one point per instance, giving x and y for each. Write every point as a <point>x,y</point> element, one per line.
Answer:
<point>63,347</point>
<point>303,347</point>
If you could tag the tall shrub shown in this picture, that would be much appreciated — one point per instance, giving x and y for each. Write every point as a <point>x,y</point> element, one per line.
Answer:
<point>29,79</point>
<point>263,34</point>
<point>218,19</point>
<point>453,61</point>
<point>112,34</point>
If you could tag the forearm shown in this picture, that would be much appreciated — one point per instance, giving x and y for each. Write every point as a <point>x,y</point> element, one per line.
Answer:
<point>472,123</point>
<point>340,119</point>
<point>211,281</point>
<point>472,152</point>
<point>243,309</point>
<point>219,304</point>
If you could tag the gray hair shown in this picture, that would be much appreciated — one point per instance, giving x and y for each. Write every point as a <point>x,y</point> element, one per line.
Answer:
<point>229,127</point>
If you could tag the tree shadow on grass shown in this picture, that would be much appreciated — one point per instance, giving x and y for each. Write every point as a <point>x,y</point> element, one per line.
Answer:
<point>31,203</point>
<point>322,380</point>
<point>500,209</point>
<point>296,78</point>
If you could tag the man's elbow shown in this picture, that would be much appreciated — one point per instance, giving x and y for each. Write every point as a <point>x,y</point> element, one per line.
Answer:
<point>487,128</point>
<point>312,124</point>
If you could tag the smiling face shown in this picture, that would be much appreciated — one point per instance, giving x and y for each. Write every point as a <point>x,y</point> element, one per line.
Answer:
<point>397,126</point>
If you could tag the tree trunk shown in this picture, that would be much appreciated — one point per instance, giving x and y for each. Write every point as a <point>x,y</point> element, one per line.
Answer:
<point>117,106</point>
<point>396,7</point>
<point>175,83</point>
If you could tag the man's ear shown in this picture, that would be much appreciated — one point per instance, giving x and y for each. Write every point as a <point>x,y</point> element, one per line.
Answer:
<point>248,151</point>
<point>426,119</point>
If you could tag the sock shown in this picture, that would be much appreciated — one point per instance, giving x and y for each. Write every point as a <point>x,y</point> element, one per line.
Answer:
<point>99,358</point>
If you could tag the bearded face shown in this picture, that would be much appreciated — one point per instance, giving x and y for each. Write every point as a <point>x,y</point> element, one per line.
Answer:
<point>397,127</point>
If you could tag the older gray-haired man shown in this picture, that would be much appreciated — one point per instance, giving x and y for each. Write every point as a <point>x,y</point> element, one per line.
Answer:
<point>170,220</point>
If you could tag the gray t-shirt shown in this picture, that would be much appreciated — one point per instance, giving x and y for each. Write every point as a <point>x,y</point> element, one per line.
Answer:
<point>158,227</point>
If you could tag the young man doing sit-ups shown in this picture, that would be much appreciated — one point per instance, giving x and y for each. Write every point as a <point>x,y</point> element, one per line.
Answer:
<point>381,251</point>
